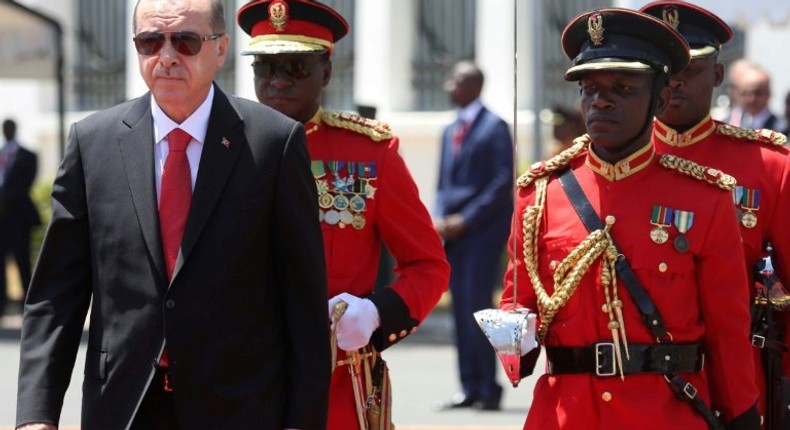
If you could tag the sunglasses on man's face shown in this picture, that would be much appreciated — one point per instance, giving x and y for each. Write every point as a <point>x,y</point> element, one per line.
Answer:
<point>185,42</point>
<point>294,69</point>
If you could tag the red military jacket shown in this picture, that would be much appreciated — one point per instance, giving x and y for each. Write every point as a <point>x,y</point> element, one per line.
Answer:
<point>700,294</point>
<point>759,161</point>
<point>367,196</point>
<point>761,166</point>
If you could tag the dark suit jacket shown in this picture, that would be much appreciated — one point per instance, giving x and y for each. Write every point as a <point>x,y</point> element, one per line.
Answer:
<point>478,181</point>
<point>245,315</point>
<point>16,208</point>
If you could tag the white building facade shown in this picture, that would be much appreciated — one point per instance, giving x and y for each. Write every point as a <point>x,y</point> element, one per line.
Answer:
<point>395,58</point>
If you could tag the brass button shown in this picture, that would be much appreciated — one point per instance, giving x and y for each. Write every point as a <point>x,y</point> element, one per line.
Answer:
<point>606,396</point>
<point>413,330</point>
<point>403,333</point>
<point>393,337</point>
<point>662,267</point>
<point>553,264</point>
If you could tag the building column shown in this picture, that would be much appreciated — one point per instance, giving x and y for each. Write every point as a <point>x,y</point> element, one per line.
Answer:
<point>495,56</point>
<point>383,44</point>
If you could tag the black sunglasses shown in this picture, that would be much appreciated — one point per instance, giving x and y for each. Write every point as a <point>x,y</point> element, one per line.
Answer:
<point>185,42</point>
<point>294,69</point>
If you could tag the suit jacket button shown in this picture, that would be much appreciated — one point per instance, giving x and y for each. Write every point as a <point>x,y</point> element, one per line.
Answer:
<point>170,304</point>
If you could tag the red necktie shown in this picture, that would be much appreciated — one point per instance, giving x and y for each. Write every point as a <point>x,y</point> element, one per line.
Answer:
<point>175,198</point>
<point>3,161</point>
<point>458,135</point>
<point>174,202</point>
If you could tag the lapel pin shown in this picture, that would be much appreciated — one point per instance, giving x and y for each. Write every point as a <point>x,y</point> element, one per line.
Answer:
<point>225,142</point>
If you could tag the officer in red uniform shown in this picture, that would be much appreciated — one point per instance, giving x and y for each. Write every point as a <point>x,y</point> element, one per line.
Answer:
<point>626,255</point>
<point>366,194</point>
<point>758,159</point>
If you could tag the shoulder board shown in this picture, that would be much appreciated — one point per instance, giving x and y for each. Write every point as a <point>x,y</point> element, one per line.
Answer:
<point>544,168</point>
<point>376,130</point>
<point>762,135</point>
<point>706,174</point>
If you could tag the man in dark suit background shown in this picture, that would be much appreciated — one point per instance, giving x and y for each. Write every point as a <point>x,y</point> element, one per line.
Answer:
<point>474,205</point>
<point>18,214</point>
<point>209,312</point>
<point>752,91</point>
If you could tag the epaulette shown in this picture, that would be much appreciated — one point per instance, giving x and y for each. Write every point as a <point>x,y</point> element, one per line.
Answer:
<point>762,135</point>
<point>543,168</point>
<point>376,130</point>
<point>697,171</point>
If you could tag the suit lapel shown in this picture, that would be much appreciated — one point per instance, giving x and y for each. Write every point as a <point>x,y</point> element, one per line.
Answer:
<point>224,142</point>
<point>137,150</point>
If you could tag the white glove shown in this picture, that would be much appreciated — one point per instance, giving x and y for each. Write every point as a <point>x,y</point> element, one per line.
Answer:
<point>357,324</point>
<point>528,339</point>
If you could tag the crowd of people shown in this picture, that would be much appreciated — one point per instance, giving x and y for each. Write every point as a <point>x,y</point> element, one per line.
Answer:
<point>226,250</point>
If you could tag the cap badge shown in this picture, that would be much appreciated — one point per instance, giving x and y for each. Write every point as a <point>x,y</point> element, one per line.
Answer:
<point>278,14</point>
<point>595,29</point>
<point>671,16</point>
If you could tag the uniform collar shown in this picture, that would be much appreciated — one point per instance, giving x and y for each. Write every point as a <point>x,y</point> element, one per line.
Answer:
<point>671,137</point>
<point>623,168</point>
<point>314,123</point>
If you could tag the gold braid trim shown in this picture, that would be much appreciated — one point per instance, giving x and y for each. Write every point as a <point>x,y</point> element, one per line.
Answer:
<point>762,135</point>
<point>570,271</point>
<point>376,130</point>
<point>779,304</point>
<point>544,168</point>
<point>697,171</point>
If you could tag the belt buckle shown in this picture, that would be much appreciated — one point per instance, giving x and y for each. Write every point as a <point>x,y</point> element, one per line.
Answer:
<point>601,349</point>
<point>758,341</point>
<point>690,391</point>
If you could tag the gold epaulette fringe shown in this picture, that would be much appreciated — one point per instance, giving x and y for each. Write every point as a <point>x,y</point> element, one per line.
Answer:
<point>376,130</point>
<point>762,135</point>
<point>697,171</point>
<point>543,168</point>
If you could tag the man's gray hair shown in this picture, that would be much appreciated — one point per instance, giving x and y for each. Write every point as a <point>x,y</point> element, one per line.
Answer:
<point>217,16</point>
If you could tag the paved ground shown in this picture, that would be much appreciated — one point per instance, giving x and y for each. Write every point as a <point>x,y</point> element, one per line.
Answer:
<point>423,372</point>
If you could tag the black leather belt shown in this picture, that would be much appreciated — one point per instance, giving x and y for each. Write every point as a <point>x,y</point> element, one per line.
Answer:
<point>599,359</point>
<point>759,341</point>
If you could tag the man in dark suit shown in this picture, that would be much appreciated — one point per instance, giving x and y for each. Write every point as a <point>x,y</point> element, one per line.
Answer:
<point>18,215</point>
<point>220,325</point>
<point>473,207</point>
<point>752,88</point>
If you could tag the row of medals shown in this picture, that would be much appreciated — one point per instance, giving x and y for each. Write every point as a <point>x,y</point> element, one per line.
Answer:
<point>342,209</point>
<point>660,236</point>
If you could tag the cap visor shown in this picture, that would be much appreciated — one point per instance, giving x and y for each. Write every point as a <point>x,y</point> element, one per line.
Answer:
<point>703,51</point>
<point>264,47</point>
<point>575,72</point>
